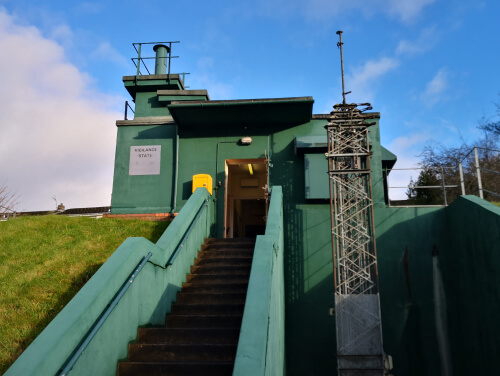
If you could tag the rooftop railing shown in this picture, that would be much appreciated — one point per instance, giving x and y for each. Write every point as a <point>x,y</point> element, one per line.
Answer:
<point>469,176</point>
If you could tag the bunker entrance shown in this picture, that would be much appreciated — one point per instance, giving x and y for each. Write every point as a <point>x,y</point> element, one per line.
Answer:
<point>245,199</point>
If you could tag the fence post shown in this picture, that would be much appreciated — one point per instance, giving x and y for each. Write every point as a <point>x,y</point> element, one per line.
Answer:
<point>478,172</point>
<point>386,179</point>
<point>138,63</point>
<point>444,186</point>
<point>462,184</point>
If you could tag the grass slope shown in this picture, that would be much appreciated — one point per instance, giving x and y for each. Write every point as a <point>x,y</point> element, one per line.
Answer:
<point>44,261</point>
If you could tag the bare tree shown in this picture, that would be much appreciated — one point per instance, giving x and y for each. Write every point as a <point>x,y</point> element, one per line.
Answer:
<point>440,163</point>
<point>491,125</point>
<point>8,200</point>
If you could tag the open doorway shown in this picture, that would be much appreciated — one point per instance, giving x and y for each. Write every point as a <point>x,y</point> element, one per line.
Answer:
<point>245,199</point>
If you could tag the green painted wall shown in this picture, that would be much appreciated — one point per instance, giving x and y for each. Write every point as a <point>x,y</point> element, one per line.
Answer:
<point>143,193</point>
<point>147,104</point>
<point>462,279</point>
<point>406,285</point>
<point>199,156</point>
<point>470,266</point>
<point>376,165</point>
<point>310,330</point>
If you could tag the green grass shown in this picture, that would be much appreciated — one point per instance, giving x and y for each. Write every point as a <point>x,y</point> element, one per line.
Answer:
<point>44,261</point>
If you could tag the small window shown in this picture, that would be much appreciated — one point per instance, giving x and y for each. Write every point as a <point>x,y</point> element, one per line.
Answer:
<point>316,176</point>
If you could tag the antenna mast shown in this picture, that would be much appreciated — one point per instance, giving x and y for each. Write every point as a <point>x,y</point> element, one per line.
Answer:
<point>339,44</point>
<point>357,304</point>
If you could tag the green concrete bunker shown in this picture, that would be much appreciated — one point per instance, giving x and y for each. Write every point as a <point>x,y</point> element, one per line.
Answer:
<point>266,302</point>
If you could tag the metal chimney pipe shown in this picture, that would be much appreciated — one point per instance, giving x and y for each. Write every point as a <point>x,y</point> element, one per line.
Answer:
<point>162,52</point>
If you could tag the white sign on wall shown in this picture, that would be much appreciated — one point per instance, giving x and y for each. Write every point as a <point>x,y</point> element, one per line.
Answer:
<point>145,160</point>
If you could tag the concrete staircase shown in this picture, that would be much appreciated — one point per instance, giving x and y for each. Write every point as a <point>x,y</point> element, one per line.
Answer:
<point>201,333</point>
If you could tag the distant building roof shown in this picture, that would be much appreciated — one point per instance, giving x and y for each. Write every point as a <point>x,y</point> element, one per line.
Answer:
<point>90,212</point>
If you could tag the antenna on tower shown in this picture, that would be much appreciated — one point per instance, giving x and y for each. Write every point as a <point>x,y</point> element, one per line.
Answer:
<point>339,44</point>
<point>355,275</point>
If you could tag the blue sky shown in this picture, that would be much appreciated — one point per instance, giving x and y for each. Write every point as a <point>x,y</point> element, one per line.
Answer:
<point>429,66</point>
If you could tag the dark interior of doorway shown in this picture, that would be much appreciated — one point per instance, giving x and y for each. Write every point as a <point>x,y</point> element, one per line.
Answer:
<point>245,198</point>
<point>249,218</point>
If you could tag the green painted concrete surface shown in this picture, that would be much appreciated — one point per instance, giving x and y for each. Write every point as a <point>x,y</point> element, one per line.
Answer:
<point>438,273</point>
<point>142,193</point>
<point>470,266</point>
<point>141,304</point>
<point>406,286</point>
<point>261,347</point>
<point>308,268</point>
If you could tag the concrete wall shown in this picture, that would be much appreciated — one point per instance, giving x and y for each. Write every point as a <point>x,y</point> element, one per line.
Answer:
<point>405,240</point>
<point>143,193</point>
<point>439,272</point>
<point>470,265</point>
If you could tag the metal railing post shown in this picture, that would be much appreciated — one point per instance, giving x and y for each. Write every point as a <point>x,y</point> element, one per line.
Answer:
<point>386,178</point>
<point>138,61</point>
<point>478,172</point>
<point>462,184</point>
<point>444,187</point>
<point>169,60</point>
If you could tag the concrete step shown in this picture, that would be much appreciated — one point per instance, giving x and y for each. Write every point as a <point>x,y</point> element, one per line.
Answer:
<point>201,333</point>
<point>207,321</point>
<point>230,252</point>
<point>214,288</point>
<point>206,298</point>
<point>208,309</point>
<point>221,269</point>
<point>230,241</point>
<point>222,261</point>
<point>189,335</point>
<point>218,278</point>
<point>145,352</point>
<point>176,369</point>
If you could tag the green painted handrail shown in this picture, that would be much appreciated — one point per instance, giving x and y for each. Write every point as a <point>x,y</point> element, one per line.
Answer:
<point>102,318</point>
<point>261,347</point>
<point>114,302</point>
<point>71,330</point>
<point>188,232</point>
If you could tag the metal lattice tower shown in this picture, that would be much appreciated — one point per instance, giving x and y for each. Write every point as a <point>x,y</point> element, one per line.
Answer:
<point>357,304</point>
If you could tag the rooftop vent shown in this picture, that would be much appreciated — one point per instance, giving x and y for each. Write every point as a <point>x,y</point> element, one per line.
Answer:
<point>162,52</point>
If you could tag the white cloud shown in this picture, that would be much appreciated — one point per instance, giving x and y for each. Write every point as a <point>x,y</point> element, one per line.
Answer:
<point>62,33</point>
<point>363,79</point>
<point>404,10</point>
<point>105,51</point>
<point>407,10</point>
<point>58,134</point>
<point>205,78</point>
<point>435,88</point>
<point>427,39</point>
